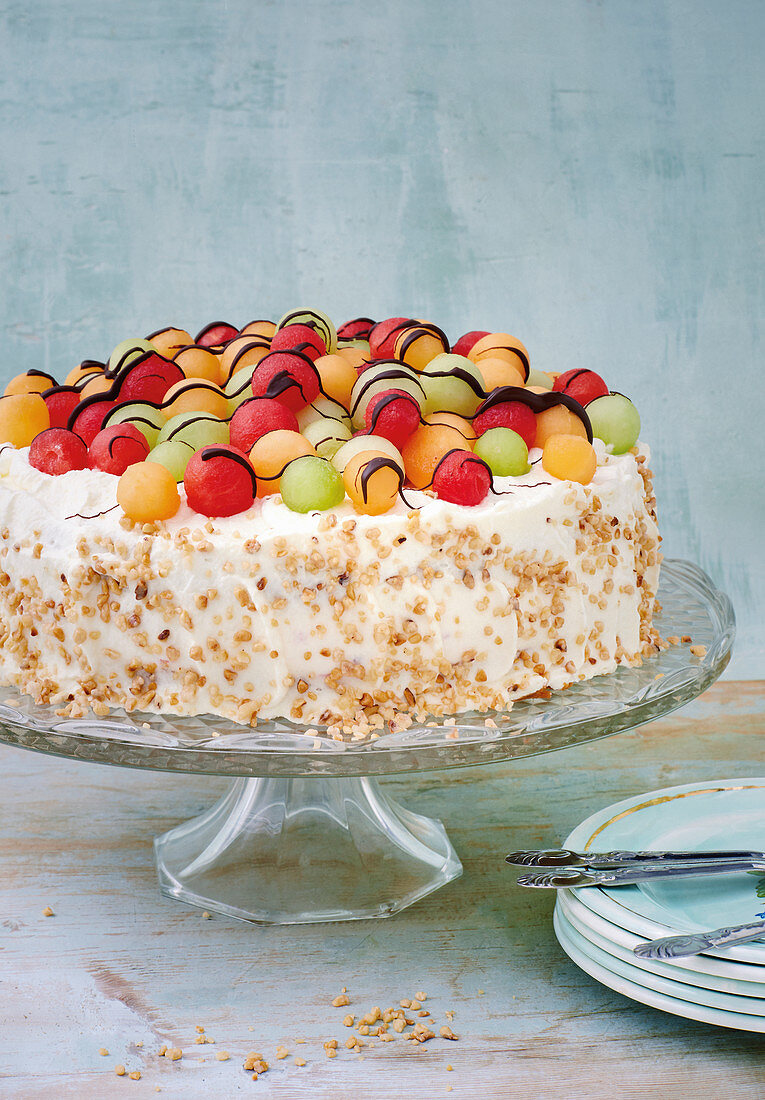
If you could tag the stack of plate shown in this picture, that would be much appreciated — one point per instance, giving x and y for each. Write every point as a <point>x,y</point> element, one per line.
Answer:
<point>598,926</point>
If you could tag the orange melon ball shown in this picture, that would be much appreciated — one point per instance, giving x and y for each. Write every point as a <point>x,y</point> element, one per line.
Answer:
<point>99,383</point>
<point>272,452</point>
<point>198,362</point>
<point>451,420</point>
<point>498,372</point>
<point>537,389</point>
<point>372,481</point>
<point>570,458</point>
<point>416,347</point>
<point>424,450</point>
<point>337,377</point>
<point>257,348</point>
<point>168,341</point>
<point>355,356</point>
<point>33,382</point>
<point>558,420</point>
<point>22,417</point>
<point>259,328</point>
<point>195,395</point>
<point>501,345</point>
<point>76,374</point>
<point>147,491</point>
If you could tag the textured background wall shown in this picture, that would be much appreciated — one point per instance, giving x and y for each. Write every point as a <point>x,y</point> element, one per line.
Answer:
<point>587,175</point>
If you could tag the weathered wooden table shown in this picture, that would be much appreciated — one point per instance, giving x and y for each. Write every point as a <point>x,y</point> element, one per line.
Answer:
<point>122,969</point>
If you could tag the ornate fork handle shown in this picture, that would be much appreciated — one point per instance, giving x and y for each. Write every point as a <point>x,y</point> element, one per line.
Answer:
<point>573,877</point>
<point>562,857</point>
<point>694,943</point>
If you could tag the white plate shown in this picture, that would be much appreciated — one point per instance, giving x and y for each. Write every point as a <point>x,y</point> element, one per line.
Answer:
<point>727,814</point>
<point>615,941</point>
<point>652,997</point>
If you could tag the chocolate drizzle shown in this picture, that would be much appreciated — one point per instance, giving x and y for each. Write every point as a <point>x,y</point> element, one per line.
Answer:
<point>117,439</point>
<point>213,324</point>
<point>357,329</point>
<point>197,418</point>
<point>59,389</point>
<point>416,333</point>
<point>463,375</point>
<point>206,453</point>
<point>537,402</point>
<point>191,384</point>
<point>167,328</point>
<point>388,399</point>
<point>470,459</point>
<point>515,350</point>
<point>371,468</point>
<point>281,383</point>
<point>79,515</point>
<point>86,403</point>
<point>311,320</point>
<point>255,342</point>
<point>33,373</point>
<point>124,372</point>
<point>397,370</point>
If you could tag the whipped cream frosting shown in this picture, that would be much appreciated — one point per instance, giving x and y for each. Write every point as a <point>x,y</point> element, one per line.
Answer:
<point>336,619</point>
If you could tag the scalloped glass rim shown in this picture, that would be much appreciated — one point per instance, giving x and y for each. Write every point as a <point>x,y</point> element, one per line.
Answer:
<point>691,605</point>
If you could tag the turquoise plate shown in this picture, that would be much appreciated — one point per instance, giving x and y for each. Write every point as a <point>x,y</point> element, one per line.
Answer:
<point>728,813</point>
<point>619,943</point>
<point>583,953</point>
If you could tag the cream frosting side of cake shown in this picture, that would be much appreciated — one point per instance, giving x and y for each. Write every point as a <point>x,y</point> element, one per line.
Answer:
<point>335,618</point>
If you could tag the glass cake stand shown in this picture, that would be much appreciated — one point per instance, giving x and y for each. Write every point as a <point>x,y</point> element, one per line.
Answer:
<point>306,833</point>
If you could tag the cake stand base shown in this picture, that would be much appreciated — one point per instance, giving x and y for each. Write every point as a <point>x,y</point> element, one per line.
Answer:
<point>300,851</point>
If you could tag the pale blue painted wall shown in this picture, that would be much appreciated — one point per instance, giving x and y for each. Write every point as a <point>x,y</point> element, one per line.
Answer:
<point>587,175</point>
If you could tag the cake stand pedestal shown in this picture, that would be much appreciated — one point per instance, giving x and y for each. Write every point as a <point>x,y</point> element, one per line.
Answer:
<point>306,834</point>
<point>290,851</point>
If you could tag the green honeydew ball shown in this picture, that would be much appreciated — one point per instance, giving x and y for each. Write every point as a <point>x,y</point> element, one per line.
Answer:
<point>539,378</point>
<point>504,452</point>
<point>196,429</point>
<point>147,418</point>
<point>616,421</point>
<point>311,484</point>
<point>327,436</point>
<point>174,456</point>
<point>127,350</point>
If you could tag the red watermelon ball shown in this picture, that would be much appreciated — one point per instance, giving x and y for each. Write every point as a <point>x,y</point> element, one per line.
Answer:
<point>293,336</point>
<point>357,329</point>
<point>219,481</point>
<point>87,417</point>
<point>288,377</point>
<point>61,402</point>
<point>462,478</point>
<point>393,414</point>
<point>147,379</point>
<point>117,447</point>
<point>508,414</point>
<point>382,336</point>
<point>256,417</point>
<point>583,385</point>
<point>467,340</point>
<point>215,334</point>
<point>57,451</point>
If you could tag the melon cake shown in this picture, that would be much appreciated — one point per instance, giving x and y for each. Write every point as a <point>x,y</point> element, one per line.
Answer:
<point>435,530</point>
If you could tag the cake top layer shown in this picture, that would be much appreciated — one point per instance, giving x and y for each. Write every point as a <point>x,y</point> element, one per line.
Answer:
<point>310,419</point>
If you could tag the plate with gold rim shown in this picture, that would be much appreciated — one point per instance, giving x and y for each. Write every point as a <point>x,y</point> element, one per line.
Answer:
<point>598,965</point>
<point>725,813</point>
